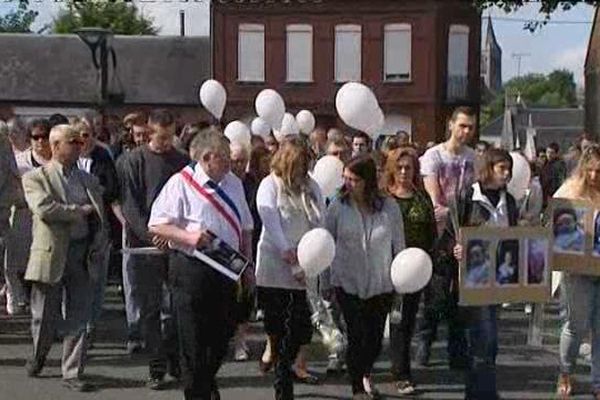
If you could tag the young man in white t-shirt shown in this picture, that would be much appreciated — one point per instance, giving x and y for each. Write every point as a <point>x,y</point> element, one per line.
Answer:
<point>447,170</point>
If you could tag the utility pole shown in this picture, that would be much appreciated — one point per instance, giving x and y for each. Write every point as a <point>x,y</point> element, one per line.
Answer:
<point>519,57</point>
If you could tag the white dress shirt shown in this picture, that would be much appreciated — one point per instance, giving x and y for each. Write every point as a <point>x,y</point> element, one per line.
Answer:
<point>180,204</point>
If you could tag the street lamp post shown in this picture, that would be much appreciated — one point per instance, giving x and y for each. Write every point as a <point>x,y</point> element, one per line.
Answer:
<point>97,38</point>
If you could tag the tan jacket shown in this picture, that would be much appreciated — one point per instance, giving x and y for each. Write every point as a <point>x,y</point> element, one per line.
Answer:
<point>52,221</point>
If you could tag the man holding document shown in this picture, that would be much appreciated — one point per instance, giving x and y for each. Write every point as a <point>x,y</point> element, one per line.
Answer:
<point>202,212</point>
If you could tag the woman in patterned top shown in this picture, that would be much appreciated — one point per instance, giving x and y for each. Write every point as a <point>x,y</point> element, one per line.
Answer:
<point>401,180</point>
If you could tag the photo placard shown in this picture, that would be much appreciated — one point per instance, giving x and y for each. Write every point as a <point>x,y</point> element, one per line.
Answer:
<point>503,265</point>
<point>575,229</point>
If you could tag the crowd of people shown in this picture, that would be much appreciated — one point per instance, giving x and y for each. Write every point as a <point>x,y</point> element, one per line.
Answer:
<point>70,196</point>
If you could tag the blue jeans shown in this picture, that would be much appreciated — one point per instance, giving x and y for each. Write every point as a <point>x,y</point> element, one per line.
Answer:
<point>581,296</point>
<point>482,348</point>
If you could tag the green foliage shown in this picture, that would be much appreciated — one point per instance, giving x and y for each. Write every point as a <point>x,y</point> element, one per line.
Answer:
<point>119,16</point>
<point>19,20</point>
<point>546,7</point>
<point>554,90</point>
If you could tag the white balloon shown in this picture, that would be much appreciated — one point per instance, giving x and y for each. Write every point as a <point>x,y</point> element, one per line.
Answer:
<point>260,127</point>
<point>213,97</point>
<point>357,106</point>
<point>521,176</point>
<point>238,132</point>
<point>411,270</point>
<point>289,127</point>
<point>379,121</point>
<point>328,174</point>
<point>270,107</point>
<point>306,121</point>
<point>316,251</point>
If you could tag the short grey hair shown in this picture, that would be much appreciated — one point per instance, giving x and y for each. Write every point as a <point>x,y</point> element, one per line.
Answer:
<point>58,132</point>
<point>208,140</point>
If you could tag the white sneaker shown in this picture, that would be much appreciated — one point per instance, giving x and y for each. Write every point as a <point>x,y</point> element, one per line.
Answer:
<point>370,388</point>
<point>241,352</point>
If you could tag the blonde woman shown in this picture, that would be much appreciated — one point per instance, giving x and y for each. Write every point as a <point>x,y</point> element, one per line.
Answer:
<point>581,293</point>
<point>290,204</point>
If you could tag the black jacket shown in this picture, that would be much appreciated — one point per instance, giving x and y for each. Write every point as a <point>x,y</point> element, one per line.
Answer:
<point>469,213</point>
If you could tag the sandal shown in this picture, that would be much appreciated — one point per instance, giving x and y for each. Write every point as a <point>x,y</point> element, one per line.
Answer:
<point>306,378</point>
<point>564,386</point>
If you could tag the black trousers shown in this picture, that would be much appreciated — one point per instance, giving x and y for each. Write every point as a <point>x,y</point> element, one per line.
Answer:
<point>204,301</point>
<point>441,302</point>
<point>401,332</point>
<point>287,318</point>
<point>365,320</point>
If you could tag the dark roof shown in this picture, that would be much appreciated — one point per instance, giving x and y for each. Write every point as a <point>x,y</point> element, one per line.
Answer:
<point>58,68</point>
<point>561,125</point>
<point>541,119</point>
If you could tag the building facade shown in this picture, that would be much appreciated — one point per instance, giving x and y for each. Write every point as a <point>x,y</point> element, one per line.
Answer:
<point>592,81</point>
<point>421,57</point>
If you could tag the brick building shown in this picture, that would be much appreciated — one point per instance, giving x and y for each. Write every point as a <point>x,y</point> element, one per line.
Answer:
<point>421,57</point>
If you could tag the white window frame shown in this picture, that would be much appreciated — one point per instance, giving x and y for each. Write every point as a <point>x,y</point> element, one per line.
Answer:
<point>244,65</point>
<point>292,75</point>
<point>462,30</point>
<point>354,73</point>
<point>457,70</point>
<point>398,75</point>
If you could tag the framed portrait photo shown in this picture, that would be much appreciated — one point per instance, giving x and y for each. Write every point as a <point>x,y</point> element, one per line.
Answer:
<point>503,265</point>
<point>575,229</point>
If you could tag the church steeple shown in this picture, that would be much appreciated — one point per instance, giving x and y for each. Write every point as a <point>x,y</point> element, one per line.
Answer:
<point>491,59</point>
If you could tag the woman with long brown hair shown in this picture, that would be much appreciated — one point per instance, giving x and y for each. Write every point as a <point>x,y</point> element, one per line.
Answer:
<point>401,181</point>
<point>290,204</point>
<point>367,228</point>
<point>581,293</point>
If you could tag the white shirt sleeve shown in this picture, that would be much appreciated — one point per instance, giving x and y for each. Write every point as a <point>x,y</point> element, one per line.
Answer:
<point>316,189</point>
<point>429,162</point>
<point>266,202</point>
<point>168,206</point>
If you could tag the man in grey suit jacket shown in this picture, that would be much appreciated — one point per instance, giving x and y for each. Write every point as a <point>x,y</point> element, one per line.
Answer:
<point>69,230</point>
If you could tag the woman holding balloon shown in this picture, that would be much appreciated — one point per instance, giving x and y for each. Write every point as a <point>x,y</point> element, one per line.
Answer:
<point>290,204</point>
<point>486,202</point>
<point>368,231</point>
<point>401,180</point>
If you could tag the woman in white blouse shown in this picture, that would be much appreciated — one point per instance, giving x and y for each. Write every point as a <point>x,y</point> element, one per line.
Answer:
<point>369,232</point>
<point>290,204</point>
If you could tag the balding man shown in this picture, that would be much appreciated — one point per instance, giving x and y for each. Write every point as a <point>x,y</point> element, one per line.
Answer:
<point>69,236</point>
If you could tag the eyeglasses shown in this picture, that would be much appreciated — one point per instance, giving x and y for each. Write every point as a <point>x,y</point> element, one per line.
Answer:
<point>39,137</point>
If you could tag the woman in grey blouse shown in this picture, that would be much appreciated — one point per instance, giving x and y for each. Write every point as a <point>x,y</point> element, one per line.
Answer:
<point>369,232</point>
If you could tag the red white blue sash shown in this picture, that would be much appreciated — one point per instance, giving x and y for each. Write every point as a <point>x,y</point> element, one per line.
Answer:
<point>231,213</point>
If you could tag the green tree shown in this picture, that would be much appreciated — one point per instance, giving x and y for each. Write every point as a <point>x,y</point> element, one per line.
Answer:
<point>546,7</point>
<point>121,17</point>
<point>18,20</point>
<point>556,89</point>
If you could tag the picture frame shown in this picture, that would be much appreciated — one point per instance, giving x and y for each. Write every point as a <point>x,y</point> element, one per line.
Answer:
<point>575,228</point>
<point>503,265</point>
